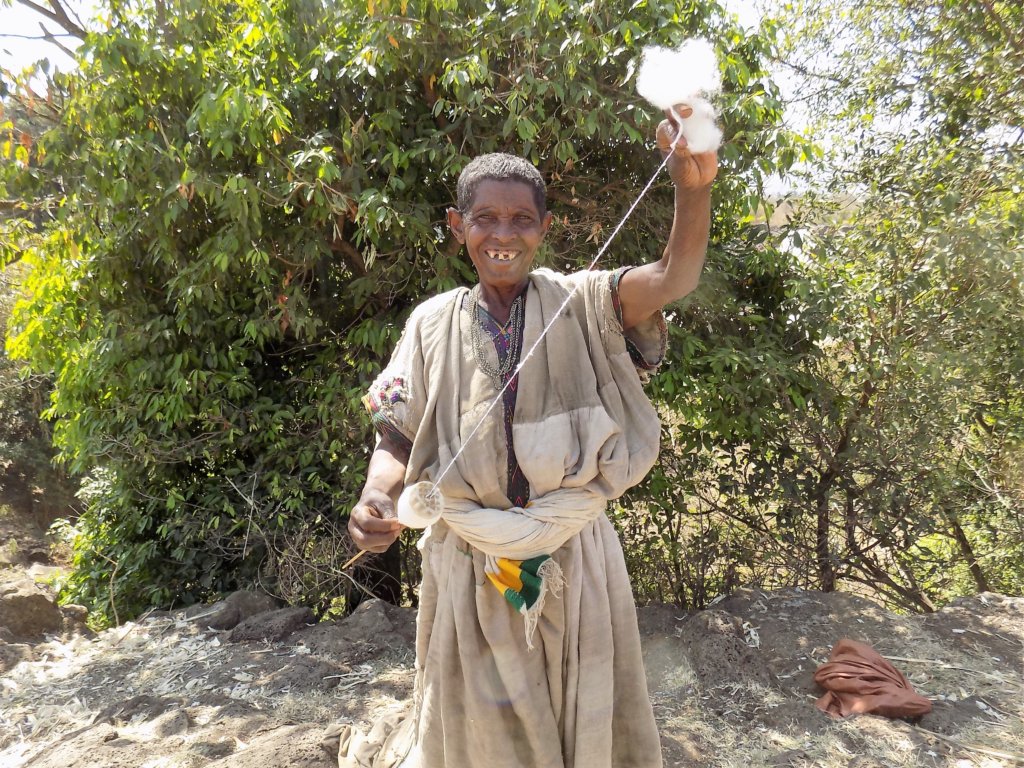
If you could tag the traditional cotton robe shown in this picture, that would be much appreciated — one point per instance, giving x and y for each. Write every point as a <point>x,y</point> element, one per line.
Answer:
<point>583,426</point>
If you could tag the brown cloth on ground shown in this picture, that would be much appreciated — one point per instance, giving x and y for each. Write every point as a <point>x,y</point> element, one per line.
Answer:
<point>859,681</point>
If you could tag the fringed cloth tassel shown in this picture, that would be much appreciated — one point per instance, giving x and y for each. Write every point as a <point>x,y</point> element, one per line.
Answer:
<point>525,584</point>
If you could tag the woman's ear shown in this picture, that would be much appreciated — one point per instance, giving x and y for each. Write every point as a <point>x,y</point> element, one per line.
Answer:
<point>456,224</point>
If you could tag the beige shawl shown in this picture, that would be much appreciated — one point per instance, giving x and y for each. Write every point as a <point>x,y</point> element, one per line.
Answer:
<point>583,429</point>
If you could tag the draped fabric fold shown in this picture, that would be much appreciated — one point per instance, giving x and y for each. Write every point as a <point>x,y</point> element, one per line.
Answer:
<point>520,533</point>
<point>516,536</point>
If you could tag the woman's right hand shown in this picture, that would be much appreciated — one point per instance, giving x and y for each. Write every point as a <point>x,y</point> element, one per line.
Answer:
<point>372,524</point>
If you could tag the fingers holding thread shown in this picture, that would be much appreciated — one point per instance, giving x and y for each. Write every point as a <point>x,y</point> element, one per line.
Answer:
<point>678,113</point>
<point>669,134</point>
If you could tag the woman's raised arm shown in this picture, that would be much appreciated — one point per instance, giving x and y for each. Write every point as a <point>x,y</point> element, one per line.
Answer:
<point>646,289</point>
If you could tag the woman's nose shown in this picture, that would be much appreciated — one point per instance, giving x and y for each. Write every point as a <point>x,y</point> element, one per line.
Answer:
<point>504,230</point>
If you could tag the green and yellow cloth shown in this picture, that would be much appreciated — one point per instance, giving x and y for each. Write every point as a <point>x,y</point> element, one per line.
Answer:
<point>520,581</point>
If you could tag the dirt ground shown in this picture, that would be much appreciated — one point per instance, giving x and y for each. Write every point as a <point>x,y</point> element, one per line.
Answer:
<point>732,685</point>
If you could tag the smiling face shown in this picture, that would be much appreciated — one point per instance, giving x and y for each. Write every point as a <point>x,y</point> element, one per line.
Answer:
<point>501,231</point>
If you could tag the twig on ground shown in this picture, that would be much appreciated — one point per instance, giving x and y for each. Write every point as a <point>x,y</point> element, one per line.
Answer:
<point>203,615</point>
<point>945,665</point>
<point>974,747</point>
<point>131,629</point>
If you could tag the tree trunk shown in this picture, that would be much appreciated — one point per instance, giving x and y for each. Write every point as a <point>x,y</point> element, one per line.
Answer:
<point>376,576</point>
<point>823,552</point>
<point>968,554</point>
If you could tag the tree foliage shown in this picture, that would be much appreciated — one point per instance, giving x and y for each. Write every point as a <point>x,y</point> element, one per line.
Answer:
<point>872,438</point>
<point>912,444</point>
<point>251,198</point>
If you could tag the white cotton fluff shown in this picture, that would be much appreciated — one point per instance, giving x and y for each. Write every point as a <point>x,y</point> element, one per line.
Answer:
<point>700,130</point>
<point>685,75</point>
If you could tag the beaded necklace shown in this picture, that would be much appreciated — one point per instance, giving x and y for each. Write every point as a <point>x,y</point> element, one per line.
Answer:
<point>483,348</point>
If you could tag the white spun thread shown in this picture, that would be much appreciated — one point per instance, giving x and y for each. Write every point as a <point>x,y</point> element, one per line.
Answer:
<point>420,505</point>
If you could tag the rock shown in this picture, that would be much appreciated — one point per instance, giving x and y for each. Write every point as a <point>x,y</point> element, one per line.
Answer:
<point>18,546</point>
<point>27,612</point>
<point>272,625</point>
<point>46,574</point>
<point>378,621</point>
<point>375,627</point>
<point>38,554</point>
<point>10,554</point>
<point>719,652</point>
<point>171,723</point>
<point>13,654</point>
<point>142,707</point>
<point>235,608</point>
<point>370,620</point>
<point>75,612</point>
<point>75,617</point>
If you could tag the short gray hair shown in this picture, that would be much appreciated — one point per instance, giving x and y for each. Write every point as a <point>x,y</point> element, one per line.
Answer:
<point>499,166</point>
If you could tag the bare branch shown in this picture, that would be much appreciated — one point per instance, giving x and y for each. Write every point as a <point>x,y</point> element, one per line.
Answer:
<point>51,39</point>
<point>73,15</point>
<point>58,15</point>
<point>800,69</point>
<point>66,22</point>
<point>47,36</point>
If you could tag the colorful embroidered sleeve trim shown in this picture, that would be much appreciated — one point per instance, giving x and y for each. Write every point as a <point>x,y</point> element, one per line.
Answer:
<point>642,363</point>
<point>383,402</point>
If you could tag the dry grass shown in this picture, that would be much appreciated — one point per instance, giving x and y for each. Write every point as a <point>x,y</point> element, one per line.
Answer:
<point>233,692</point>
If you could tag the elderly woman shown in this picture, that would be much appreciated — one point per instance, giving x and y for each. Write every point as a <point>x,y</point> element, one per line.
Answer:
<point>527,648</point>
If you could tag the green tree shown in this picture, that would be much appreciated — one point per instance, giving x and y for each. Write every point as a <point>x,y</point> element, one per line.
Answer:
<point>853,413</point>
<point>909,452</point>
<point>29,481</point>
<point>253,198</point>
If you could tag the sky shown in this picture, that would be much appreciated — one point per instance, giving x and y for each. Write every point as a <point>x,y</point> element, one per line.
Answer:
<point>748,12</point>
<point>18,22</point>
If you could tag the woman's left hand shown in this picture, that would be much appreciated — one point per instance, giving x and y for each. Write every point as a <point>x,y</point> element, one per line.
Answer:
<point>688,171</point>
